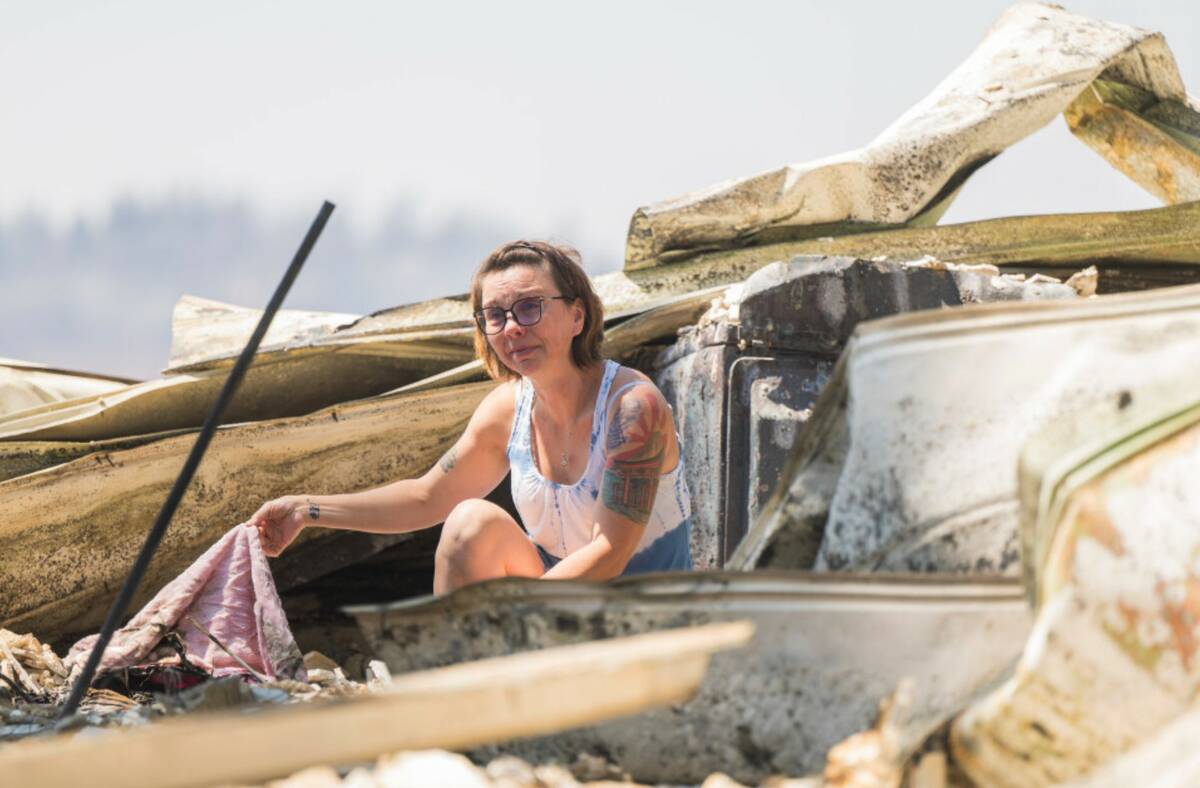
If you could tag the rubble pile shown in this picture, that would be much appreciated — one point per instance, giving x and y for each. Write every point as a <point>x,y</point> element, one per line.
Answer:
<point>946,466</point>
<point>25,713</point>
<point>30,669</point>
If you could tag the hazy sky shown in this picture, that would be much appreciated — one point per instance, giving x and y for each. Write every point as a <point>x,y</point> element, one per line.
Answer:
<point>543,118</point>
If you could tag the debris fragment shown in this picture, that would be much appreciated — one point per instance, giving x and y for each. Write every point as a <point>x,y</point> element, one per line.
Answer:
<point>873,758</point>
<point>1152,139</point>
<point>315,660</point>
<point>459,706</point>
<point>1110,530</point>
<point>223,603</point>
<point>911,464</point>
<point>378,674</point>
<point>1085,281</point>
<point>742,703</point>
<point>25,385</point>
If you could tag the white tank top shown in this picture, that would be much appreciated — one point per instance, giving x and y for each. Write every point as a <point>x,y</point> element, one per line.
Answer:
<point>559,517</point>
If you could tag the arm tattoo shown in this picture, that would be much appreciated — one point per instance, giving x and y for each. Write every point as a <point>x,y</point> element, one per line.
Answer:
<point>637,449</point>
<point>314,511</point>
<point>448,460</point>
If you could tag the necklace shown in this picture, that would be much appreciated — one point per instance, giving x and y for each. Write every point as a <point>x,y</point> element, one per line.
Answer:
<point>564,456</point>
<point>563,463</point>
<point>565,453</point>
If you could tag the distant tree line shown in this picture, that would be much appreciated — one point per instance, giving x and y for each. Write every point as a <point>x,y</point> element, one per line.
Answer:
<point>98,295</point>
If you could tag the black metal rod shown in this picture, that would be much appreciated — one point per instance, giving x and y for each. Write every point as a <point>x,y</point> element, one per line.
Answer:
<point>119,605</point>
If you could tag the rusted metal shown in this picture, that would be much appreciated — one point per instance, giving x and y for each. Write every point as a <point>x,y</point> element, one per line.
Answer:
<point>1154,141</point>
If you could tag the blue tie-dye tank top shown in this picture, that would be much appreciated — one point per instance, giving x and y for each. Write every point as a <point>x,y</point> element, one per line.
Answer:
<point>559,517</point>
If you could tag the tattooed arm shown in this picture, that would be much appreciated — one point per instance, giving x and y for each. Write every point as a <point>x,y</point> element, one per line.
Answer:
<point>640,445</point>
<point>471,468</point>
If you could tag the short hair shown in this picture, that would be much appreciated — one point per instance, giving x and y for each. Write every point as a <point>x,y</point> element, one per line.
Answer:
<point>563,263</point>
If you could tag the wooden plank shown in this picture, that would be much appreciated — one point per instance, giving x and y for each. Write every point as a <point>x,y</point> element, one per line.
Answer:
<point>460,706</point>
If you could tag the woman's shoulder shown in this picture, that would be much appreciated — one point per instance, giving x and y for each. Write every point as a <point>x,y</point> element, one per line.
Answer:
<point>634,388</point>
<point>625,377</point>
<point>638,411</point>
<point>496,410</point>
<point>501,400</point>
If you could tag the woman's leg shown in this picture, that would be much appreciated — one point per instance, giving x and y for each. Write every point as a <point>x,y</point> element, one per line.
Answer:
<point>481,541</point>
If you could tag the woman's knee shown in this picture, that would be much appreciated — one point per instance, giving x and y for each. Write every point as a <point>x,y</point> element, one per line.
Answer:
<point>468,522</point>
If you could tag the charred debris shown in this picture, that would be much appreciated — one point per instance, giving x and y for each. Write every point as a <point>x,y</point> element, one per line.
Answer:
<point>945,512</point>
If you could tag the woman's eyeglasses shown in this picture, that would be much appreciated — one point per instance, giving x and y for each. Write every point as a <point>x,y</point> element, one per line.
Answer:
<point>526,311</point>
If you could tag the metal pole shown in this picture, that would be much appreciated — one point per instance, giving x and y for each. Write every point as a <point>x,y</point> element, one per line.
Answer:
<point>119,605</point>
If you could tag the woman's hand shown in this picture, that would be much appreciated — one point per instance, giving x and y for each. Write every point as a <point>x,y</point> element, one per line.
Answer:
<point>278,522</point>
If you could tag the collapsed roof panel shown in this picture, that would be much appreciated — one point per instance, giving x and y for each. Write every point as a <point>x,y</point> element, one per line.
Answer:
<point>1133,249</point>
<point>278,384</point>
<point>25,385</point>
<point>293,380</point>
<point>83,522</point>
<point>317,366</point>
<point>203,329</point>
<point>1031,65</point>
<point>18,458</point>
<point>350,446</point>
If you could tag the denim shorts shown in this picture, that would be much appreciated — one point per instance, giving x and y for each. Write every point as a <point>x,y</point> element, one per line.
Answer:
<point>670,552</point>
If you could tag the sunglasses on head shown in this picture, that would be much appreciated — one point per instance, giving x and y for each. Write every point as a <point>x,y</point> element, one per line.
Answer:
<point>525,311</point>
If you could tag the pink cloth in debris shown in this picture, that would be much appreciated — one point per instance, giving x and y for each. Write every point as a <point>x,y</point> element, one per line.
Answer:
<point>230,592</point>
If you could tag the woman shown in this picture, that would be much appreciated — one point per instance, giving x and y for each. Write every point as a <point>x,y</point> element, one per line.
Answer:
<point>597,475</point>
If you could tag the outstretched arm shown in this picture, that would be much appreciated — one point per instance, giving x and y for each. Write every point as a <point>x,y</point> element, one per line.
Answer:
<point>640,437</point>
<point>471,468</point>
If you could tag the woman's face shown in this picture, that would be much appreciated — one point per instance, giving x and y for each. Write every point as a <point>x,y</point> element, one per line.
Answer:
<point>527,349</point>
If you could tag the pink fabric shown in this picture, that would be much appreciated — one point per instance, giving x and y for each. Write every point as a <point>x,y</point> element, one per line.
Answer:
<point>229,590</point>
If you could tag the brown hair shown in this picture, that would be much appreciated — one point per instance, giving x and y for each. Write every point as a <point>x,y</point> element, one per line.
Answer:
<point>564,266</point>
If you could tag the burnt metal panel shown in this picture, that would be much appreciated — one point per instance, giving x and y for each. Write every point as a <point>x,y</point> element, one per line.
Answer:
<point>768,402</point>
<point>827,647</point>
<point>742,382</point>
